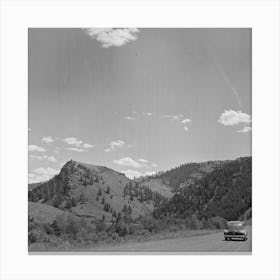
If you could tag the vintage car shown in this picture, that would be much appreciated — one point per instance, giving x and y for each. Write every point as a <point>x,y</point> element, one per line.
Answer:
<point>235,230</point>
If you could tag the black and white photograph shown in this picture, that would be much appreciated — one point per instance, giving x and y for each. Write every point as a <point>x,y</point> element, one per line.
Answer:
<point>139,140</point>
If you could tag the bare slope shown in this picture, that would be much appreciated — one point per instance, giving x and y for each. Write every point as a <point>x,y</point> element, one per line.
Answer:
<point>43,213</point>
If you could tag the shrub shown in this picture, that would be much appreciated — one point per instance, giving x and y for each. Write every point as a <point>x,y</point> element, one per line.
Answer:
<point>70,225</point>
<point>195,223</point>
<point>31,237</point>
<point>218,222</point>
<point>151,224</point>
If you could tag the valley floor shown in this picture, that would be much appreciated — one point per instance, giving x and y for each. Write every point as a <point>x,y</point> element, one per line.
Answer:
<point>189,242</point>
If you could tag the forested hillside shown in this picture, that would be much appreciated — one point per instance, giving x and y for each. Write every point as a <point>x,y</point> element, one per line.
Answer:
<point>226,192</point>
<point>88,203</point>
<point>187,173</point>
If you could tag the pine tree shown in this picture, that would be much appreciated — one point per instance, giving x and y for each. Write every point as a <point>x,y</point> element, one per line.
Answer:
<point>103,199</point>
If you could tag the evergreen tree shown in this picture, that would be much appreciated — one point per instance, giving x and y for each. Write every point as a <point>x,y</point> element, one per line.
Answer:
<point>103,199</point>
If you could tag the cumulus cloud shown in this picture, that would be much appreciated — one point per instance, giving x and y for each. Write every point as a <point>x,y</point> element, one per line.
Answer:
<point>140,163</point>
<point>47,139</point>
<point>149,173</point>
<point>34,148</point>
<point>112,37</point>
<point>130,118</point>
<point>142,160</point>
<point>114,145</point>
<point>148,114</point>
<point>79,145</point>
<point>136,174</point>
<point>184,121</point>
<point>49,158</point>
<point>245,129</point>
<point>46,171</point>
<point>180,118</point>
<point>73,141</point>
<point>132,173</point>
<point>88,146</point>
<point>133,116</point>
<point>127,161</point>
<point>231,117</point>
<point>41,174</point>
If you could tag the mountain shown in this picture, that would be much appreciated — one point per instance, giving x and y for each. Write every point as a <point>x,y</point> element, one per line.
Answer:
<point>88,191</point>
<point>85,203</point>
<point>225,190</point>
<point>186,174</point>
<point>208,189</point>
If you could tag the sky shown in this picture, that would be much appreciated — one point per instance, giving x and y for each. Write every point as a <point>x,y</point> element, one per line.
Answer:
<point>137,100</point>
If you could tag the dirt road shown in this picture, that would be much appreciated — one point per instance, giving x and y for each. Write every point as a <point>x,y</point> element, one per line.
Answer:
<point>210,243</point>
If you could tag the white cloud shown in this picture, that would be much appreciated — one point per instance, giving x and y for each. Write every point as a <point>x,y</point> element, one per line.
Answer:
<point>73,141</point>
<point>147,114</point>
<point>49,158</point>
<point>129,118</point>
<point>231,117</point>
<point>47,139</point>
<point>132,173</point>
<point>41,174</point>
<point>136,174</point>
<point>114,145</point>
<point>34,178</point>
<point>180,118</point>
<point>127,161</point>
<point>79,146</point>
<point>34,148</point>
<point>75,149</point>
<point>184,121</point>
<point>154,165</point>
<point>245,129</point>
<point>112,37</point>
<point>88,146</point>
<point>142,160</point>
<point>46,171</point>
<point>149,173</point>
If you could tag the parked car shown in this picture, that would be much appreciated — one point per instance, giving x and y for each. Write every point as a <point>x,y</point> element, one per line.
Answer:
<point>235,230</point>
